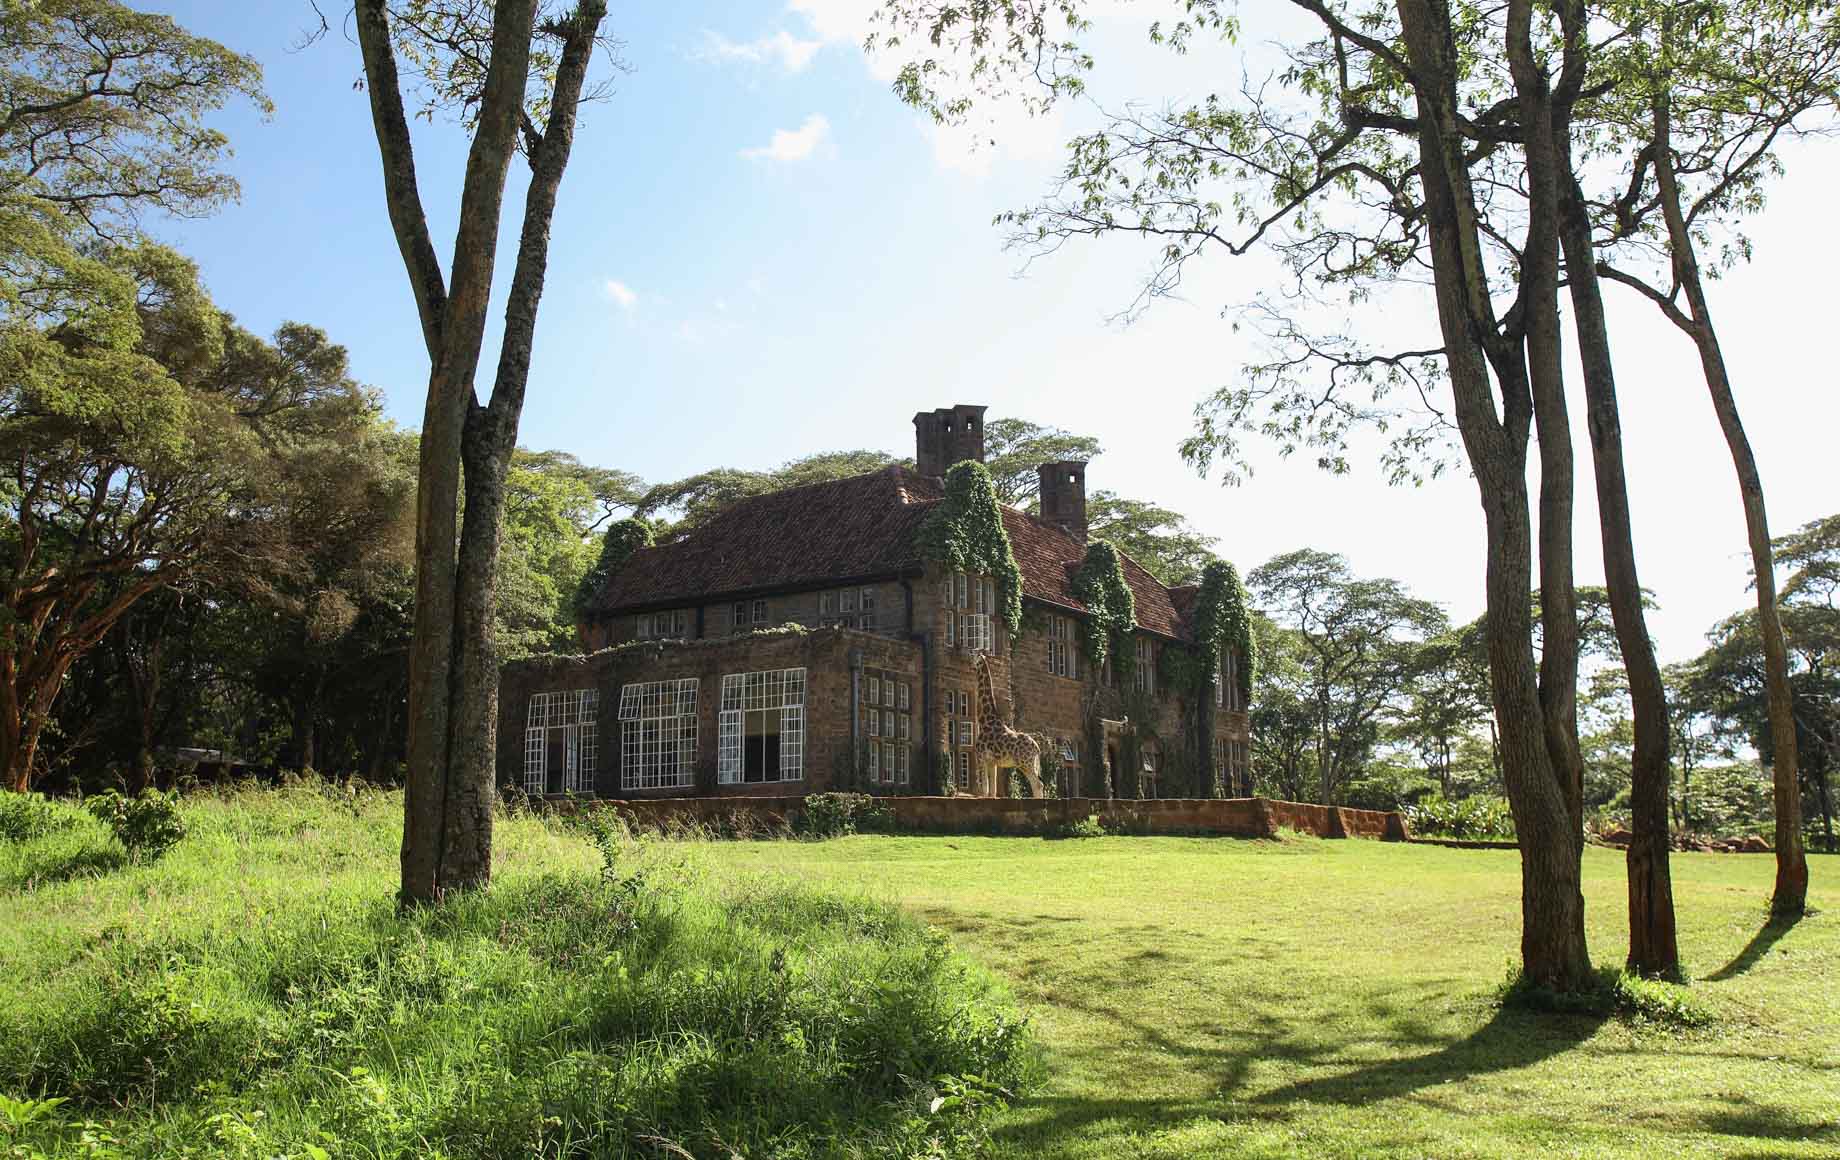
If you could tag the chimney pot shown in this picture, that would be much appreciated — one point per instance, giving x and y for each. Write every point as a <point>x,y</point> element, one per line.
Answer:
<point>947,436</point>
<point>1063,496</point>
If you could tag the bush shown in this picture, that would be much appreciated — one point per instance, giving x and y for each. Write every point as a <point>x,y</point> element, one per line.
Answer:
<point>24,816</point>
<point>1616,993</point>
<point>147,826</point>
<point>1479,818</point>
<point>835,815</point>
<point>1087,827</point>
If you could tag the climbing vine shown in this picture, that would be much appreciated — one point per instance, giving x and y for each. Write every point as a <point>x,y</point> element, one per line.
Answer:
<point>617,547</point>
<point>1110,609</point>
<point>1223,621</point>
<point>965,532</point>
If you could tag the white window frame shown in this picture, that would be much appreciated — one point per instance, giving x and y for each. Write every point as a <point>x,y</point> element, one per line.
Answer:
<point>1145,673</point>
<point>765,691</point>
<point>577,713</point>
<point>1063,656</point>
<point>974,635</point>
<point>658,734</point>
<point>671,624</point>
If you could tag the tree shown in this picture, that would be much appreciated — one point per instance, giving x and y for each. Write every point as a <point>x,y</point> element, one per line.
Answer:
<point>1284,719</point>
<point>112,467</point>
<point>1703,93</point>
<point>1731,676</point>
<point>1405,163</point>
<point>1360,642</point>
<point>506,69</point>
<point>698,497</point>
<point>1014,450</point>
<point>1447,699</point>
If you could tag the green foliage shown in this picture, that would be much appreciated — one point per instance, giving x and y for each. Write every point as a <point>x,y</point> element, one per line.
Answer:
<point>1111,610</point>
<point>965,533</point>
<point>1160,539</point>
<point>1087,827</point>
<point>619,543</point>
<point>1223,621</point>
<point>1015,449</point>
<point>1618,994</point>
<point>147,826</point>
<point>838,815</point>
<point>698,498</point>
<point>24,816</point>
<point>564,1011</point>
<point>1482,818</point>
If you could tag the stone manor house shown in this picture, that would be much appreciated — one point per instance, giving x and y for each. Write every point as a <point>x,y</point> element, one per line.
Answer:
<point>798,642</point>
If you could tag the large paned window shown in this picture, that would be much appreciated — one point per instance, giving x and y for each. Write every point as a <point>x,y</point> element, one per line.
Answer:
<point>658,734</point>
<point>848,608</point>
<point>762,727</point>
<point>1226,682</point>
<point>1145,676</point>
<point>970,602</point>
<point>672,625</point>
<point>561,742</point>
<point>1063,649</point>
<point>961,735</point>
<point>887,725</point>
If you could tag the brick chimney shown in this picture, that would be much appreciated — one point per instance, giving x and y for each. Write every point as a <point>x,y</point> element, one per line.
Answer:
<point>1063,496</point>
<point>947,436</point>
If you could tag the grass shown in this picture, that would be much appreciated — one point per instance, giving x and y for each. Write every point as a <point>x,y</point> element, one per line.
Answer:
<point>1210,997</point>
<point>254,993</point>
<point>1192,997</point>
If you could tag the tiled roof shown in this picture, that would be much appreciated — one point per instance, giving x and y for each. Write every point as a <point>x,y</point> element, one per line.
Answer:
<point>849,529</point>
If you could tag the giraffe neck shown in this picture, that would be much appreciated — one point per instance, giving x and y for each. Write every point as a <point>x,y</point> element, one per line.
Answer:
<point>987,693</point>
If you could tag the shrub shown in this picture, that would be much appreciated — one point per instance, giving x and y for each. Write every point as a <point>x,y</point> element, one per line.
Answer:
<point>1616,993</point>
<point>1087,827</point>
<point>147,826</point>
<point>1476,818</point>
<point>835,815</point>
<point>24,816</point>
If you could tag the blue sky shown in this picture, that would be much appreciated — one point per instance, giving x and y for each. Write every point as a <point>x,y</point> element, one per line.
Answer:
<point>759,253</point>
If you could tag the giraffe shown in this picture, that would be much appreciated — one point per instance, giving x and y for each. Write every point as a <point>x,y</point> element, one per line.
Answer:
<point>999,742</point>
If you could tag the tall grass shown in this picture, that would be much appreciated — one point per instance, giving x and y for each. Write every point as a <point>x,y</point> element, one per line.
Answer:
<point>257,993</point>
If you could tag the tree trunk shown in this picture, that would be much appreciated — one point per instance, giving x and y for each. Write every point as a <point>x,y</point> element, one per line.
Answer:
<point>1790,896</point>
<point>1539,306</point>
<point>1653,946</point>
<point>453,665</point>
<point>1553,950</point>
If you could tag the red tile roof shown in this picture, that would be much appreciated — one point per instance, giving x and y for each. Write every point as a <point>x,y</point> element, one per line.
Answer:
<point>850,529</point>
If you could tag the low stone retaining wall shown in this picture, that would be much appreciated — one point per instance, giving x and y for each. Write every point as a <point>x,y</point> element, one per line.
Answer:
<point>1237,817</point>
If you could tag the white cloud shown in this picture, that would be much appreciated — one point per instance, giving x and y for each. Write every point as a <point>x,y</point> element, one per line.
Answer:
<point>621,293</point>
<point>782,48</point>
<point>793,144</point>
<point>848,23</point>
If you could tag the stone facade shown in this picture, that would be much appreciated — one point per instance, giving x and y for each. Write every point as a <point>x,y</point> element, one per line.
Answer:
<point>825,582</point>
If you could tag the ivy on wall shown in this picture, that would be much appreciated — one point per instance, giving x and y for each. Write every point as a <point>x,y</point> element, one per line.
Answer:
<point>617,546</point>
<point>1223,621</point>
<point>1111,611</point>
<point>965,533</point>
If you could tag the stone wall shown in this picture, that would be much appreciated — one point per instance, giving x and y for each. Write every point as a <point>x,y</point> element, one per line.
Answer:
<point>1237,817</point>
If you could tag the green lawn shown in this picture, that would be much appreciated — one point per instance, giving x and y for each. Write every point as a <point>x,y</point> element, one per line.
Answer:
<point>1250,998</point>
<point>1193,997</point>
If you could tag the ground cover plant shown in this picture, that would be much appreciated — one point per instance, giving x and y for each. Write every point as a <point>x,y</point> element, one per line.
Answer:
<point>255,993</point>
<point>1221,997</point>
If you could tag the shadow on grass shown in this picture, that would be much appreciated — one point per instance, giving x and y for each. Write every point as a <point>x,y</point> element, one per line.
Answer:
<point>1750,1119</point>
<point>1510,1040</point>
<point>1767,936</point>
<point>50,867</point>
